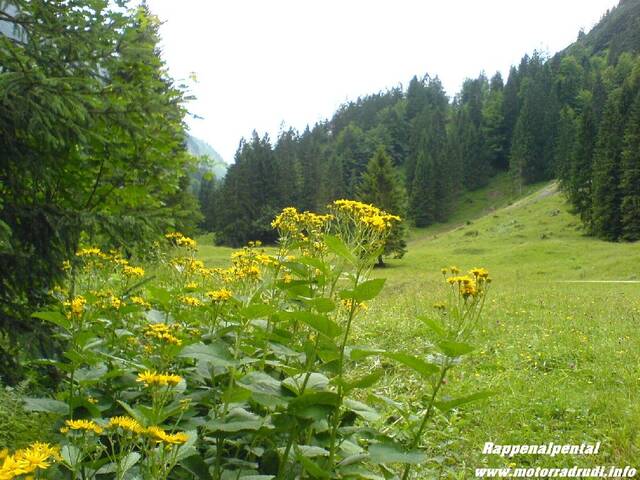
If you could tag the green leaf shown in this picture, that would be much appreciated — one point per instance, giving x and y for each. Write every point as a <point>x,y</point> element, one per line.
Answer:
<point>54,317</point>
<point>362,410</point>
<point>48,405</point>
<point>316,382</point>
<point>238,419</point>
<point>71,455</point>
<point>322,305</point>
<point>259,382</point>
<point>360,353</point>
<point>216,353</point>
<point>257,310</point>
<point>368,290</point>
<point>363,382</point>
<point>418,365</point>
<point>129,461</point>
<point>337,246</point>
<point>305,400</point>
<point>311,451</point>
<point>320,323</point>
<point>312,468</point>
<point>434,325</point>
<point>455,349</point>
<point>88,376</point>
<point>197,467</point>
<point>393,453</point>
<point>449,404</point>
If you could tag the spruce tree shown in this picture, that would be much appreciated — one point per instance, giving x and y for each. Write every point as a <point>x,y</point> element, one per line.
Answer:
<point>630,182</point>
<point>382,187</point>
<point>606,194</point>
<point>423,191</point>
<point>578,183</point>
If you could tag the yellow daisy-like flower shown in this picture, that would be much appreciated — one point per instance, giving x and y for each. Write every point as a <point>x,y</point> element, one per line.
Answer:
<point>27,460</point>
<point>86,425</point>
<point>91,252</point>
<point>479,272</point>
<point>140,301</point>
<point>159,435</point>
<point>130,271</point>
<point>190,301</point>
<point>76,306</point>
<point>220,295</point>
<point>151,378</point>
<point>162,331</point>
<point>126,423</point>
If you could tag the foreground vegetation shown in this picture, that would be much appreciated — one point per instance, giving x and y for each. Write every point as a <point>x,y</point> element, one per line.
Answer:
<point>244,372</point>
<point>560,354</point>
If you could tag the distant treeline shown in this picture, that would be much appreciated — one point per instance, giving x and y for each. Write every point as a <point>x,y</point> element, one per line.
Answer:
<point>574,116</point>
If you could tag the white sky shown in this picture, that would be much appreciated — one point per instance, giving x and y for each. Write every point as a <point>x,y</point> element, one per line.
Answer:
<point>260,63</point>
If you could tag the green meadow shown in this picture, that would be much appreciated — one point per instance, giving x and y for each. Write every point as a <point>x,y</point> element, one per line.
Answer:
<point>559,345</point>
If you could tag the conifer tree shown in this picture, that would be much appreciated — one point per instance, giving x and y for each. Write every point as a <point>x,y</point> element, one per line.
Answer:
<point>381,187</point>
<point>423,191</point>
<point>630,182</point>
<point>579,174</point>
<point>606,194</point>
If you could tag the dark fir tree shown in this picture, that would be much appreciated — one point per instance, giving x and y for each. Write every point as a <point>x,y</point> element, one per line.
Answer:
<point>493,123</point>
<point>382,187</point>
<point>630,182</point>
<point>606,193</point>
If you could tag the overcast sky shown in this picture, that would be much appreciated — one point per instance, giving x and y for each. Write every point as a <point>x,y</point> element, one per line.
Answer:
<point>261,63</point>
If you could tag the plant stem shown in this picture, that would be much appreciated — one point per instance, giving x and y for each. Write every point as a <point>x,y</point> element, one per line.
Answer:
<point>427,415</point>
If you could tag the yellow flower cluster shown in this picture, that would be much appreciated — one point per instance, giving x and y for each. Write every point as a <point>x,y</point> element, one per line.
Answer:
<point>181,241</point>
<point>76,306</point>
<point>190,301</point>
<point>162,332</point>
<point>83,425</point>
<point>219,295</point>
<point>92,252</point>
<point>159,435</point>
<point>479,273</point>
<point>365,214</point>
<point>191,266</point>
<point>466,284</point>
<point>470,285</point>
<point>151,378</point>
<point>246,264</point>
<point>300,225</point>
<point>140,301</point>
<point>126,423</point>
<point>37,456</point>
<point>130,271</point>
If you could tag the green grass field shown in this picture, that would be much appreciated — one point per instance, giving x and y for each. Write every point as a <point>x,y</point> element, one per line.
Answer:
<point>559,348</point>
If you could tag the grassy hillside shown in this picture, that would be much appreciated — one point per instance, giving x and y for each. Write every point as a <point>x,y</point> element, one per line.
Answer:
<point>559,347</point>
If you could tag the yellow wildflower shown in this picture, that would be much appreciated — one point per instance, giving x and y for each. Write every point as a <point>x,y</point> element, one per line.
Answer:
<point>87,425</point>
<point>190,301</point>
<point>130,271</point>
<point>220,295</point>
<point>126,423</point>
<point>159,435</point>
<point>151,378</point>
<point>140,301</point>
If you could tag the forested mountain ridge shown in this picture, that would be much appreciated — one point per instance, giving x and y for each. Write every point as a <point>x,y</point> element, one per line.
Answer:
<point>618,31</point>
<point>546,120</point>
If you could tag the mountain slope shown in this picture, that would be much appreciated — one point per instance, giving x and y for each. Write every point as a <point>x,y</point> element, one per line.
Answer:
<point>200,148</point>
